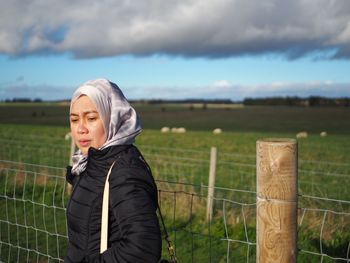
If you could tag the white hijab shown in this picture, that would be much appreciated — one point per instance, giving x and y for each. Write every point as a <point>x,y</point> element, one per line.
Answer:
<point>120,120</point>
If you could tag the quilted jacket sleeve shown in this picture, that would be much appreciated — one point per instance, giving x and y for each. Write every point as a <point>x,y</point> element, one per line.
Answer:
<point>71,178</point>
<point>133,200</point>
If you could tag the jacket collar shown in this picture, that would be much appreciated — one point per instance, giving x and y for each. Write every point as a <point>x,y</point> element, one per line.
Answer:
<point>102,159</point>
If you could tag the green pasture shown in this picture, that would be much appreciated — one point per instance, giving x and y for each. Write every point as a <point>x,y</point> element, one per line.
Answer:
<point>237,118</point>
<point>35,134</point>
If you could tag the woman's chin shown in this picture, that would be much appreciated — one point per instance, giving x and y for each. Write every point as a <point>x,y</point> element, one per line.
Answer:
<point>84,150</point>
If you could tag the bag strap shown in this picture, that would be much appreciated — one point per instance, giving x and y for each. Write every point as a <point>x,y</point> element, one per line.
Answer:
<point>171,248</point>
<point>104,220</point>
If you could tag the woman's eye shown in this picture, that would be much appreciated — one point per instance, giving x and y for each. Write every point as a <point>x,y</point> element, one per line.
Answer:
<point>73,120</point>
<point>92,118</point>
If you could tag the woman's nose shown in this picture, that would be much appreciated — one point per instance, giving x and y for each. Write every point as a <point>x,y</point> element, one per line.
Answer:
<point>81,127</point>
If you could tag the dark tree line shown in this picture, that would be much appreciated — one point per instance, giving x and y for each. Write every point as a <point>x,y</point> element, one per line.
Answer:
<point>23,100</point>
<point>268,101</point>
<point>187,101</point>
<point>297,101</point>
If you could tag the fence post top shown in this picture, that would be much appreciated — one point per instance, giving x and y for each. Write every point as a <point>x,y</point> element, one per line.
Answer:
<point>278,141</point>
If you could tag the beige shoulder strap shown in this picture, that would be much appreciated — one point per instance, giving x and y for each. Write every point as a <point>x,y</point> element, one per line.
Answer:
<point>104,221</point>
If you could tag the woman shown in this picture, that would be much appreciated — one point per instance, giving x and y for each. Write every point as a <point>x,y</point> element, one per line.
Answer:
<point>104,126</point>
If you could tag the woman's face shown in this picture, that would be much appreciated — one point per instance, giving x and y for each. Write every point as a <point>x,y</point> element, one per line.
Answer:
<point>86,125</point>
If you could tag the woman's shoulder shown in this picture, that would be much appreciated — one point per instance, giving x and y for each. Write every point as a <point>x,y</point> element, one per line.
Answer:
<point>70,177</point>
<point>131,158</point>
<point>131,171</point>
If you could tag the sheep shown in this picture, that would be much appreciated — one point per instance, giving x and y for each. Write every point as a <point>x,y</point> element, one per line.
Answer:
<point>67,136</point>
<point>323,134</point>
<point>181,130</point>
<point>178,130</point>
<point>165,130</point>
<point>217,131</point>
<point>302,134</point>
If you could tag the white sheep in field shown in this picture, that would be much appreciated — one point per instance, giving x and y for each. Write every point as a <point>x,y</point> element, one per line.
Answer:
<point>174,130</point>
<point>165,130</point>
<point>67,136</point>
<point>178,130</point>
<point>217,131</point>
<point>302,134</point>
<point>323,134</point>
<point>181,130</point>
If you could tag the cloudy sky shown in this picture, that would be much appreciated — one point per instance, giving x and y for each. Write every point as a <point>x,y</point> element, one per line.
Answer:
<point>213,49</point>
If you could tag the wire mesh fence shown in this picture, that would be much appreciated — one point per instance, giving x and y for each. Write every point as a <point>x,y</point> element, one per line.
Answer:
<point>32,218</point>
<point>33,198</point>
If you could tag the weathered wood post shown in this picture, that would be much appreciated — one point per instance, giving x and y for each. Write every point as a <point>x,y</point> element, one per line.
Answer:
<point>277,199</point>
<point>72,150</point>
<point>211,186</point>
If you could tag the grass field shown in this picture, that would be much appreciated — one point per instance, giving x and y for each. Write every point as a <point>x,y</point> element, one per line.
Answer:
<point>35,134</point>
<point>238,119</point>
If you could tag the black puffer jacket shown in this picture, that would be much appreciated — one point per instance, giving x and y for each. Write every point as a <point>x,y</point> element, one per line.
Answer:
<point>133,232</point>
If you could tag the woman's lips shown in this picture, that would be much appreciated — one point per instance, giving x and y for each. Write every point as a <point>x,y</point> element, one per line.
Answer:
<point>84,143</point>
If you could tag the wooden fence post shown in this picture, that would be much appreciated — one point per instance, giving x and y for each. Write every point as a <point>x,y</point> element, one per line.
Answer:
<point>277,200</point>
<point>72,151</point>
<point>212,175</point>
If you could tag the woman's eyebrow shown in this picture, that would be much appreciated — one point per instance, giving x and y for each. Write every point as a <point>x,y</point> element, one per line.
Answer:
<point>84,112</point>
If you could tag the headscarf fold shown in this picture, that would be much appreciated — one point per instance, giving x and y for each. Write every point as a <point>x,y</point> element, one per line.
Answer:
<point>121,122</point>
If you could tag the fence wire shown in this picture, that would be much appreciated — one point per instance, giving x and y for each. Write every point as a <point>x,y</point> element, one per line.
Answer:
<point>33,196</point>
<point>33,222</point>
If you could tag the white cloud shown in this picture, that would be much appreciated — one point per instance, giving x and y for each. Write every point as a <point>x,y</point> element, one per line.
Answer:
<point>222,84</point>
<point>88,28</point>
<point>239,92</point>
<point>213,91</point>
<point>42,91</point>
